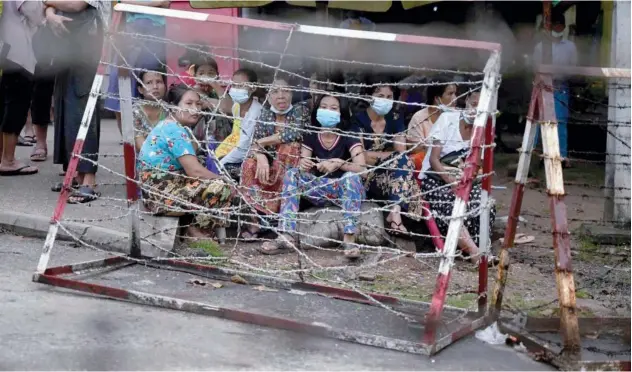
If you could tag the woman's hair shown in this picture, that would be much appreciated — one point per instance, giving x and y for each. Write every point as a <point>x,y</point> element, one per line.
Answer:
<point>141,76</point>
<point>248,73</point>
<point>438,87</point>
<point>345,118</point>
<point>176,92</point>
<point>376,82</point>
<point>204,60</point>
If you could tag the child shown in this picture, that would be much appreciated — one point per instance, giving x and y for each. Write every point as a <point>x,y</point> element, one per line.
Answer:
<point>147,114</point>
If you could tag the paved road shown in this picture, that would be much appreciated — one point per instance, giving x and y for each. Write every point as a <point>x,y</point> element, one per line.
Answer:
<point>46,328</point>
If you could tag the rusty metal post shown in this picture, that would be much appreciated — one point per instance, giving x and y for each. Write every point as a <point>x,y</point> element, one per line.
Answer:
<point>569,326</point>
<point>516,203</point>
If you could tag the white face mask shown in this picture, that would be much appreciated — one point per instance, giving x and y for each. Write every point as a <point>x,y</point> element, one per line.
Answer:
<point>278,112</point>
<point>469,116</point>
<point>557,33</point>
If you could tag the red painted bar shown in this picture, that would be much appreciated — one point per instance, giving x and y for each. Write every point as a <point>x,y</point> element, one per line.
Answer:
<point>434,315</point>
<point>129,155</point>
<point>488,167</point>
<point>73,268</point>
<point>433,229</point>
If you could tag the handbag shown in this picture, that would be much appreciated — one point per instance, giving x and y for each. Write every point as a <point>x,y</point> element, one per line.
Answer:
<point>453,163</point>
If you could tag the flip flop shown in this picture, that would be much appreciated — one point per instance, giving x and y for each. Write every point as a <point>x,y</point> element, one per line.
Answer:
<point>31,139</point>
<point>22,142</point>
<point>60,185</point>
<point>85,194</point>
<point>397,231</point>
<point>19,172</point>
<point>520,239</point>
<point>39,154</point>
<point>351,251</point>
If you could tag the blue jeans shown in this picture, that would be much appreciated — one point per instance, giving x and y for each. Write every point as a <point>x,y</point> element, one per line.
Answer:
<point>561,97</point>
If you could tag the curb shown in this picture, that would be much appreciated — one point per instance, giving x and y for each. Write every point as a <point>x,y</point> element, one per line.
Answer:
<point>36,226</point>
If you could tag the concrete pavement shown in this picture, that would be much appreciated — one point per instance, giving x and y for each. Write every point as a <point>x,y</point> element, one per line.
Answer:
<point>46,328</point>
<point>28,202</point>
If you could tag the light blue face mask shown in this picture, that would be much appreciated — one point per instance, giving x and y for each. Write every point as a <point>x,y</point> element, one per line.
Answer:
<point>239,95</point>
<point>327,118</point>
<point>382,106</point>
<point>278,112</point>
<point>468,118</point>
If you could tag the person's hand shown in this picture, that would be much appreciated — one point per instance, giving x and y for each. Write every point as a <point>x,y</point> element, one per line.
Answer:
<point>263,169</point>
<point>306,164</point>
<point>328,166</point>
<point>56,23</point>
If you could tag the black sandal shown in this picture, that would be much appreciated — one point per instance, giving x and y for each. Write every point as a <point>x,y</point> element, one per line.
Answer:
<point>397,231</point>
<point>84,194</point>
<point>24,143</point>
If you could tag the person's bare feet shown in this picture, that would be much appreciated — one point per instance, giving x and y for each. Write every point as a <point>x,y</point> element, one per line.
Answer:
<point>195,233</point>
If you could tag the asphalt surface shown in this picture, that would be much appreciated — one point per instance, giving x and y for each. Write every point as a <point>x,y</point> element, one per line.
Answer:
<point>47,328</point>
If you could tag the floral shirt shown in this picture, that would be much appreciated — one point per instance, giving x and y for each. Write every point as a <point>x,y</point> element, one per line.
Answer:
<point>295,121</point>
<point>142,125</point>
<point>166,143</point>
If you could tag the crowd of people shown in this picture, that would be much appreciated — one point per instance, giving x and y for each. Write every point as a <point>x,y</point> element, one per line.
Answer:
<point>203,144</point>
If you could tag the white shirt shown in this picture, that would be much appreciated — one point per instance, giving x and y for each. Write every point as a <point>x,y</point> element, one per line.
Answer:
<point>239,152</point>
<point>18,23</point>
<point>446,131</point>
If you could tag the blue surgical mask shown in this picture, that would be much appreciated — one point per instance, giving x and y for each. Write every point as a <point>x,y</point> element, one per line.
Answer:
<point>382,106</point>
<point>468,117</point>
<point>327,118</point>
<point>239,95</point>
<point>278,112</point>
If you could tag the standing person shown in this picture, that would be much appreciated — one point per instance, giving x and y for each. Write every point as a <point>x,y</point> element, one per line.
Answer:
<point>79,26</point>
<point>564,53</point>
<point>18,23</point>
<point>143,54</point>
<point>41,107</point>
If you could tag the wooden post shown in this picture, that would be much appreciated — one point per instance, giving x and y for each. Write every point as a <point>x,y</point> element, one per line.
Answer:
<point>617,182</point>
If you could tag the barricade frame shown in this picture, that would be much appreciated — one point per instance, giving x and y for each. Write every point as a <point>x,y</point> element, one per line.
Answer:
<point>541,113</point>
<point>482,149</point>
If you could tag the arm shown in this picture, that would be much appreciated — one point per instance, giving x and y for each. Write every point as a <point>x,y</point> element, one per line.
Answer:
<point>156,3</point>
<point>33,11</point>
<point>435,163</point>
<point>67,5</point>
<point>193,168</point>
<point>358,163</point>
<point>306,163</point>
<point>400,143</point>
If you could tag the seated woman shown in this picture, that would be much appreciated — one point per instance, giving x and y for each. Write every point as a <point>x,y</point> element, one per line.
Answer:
<point>450,138</point>
<point>328,174</point>
<point>440,97</point>
<point>275,149</point>
<point>173,180</point>
<point>246,109</point>
<point>149,113</point>
<point>391,171</point>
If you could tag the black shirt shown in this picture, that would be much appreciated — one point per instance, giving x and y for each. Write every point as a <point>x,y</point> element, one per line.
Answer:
<point>341,149</point>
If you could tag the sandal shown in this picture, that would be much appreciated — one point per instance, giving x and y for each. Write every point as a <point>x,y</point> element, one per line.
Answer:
<point>39,154</point>
<point>24,143</point>
<point>248,236</point>
<point>60,185</point>
<point>520,239</point>
<point>21,171</point>
<point>397,229</point>
<point>83,194</point>
<point>30,139</point>
<point>274,247</point>
<point>351,251</point>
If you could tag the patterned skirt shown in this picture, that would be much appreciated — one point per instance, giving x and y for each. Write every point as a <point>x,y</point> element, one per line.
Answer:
<point>168,194</point>
<point>441,200</point>
<point>393,181</point>
<point>266,198</point>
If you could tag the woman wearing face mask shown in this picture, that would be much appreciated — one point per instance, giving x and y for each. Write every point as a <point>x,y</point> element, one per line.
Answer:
<point>328,174</point>
<point>450,138</point>
<point>173,180</point>
<point>390,179</point>
<point>440,97</point>
<point>275,149</point>
<point>246,109</point>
